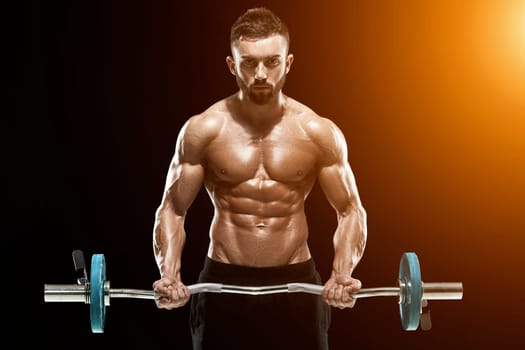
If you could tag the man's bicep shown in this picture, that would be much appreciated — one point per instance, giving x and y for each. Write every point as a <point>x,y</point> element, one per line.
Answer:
<point>183,183</point>
<point>186,173</point>
<point>338,184</point>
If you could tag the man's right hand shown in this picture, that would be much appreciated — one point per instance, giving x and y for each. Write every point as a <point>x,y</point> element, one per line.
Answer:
<point>172,293</point>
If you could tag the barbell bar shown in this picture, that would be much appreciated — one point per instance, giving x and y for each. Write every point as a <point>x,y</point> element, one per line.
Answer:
<point>411,292</point>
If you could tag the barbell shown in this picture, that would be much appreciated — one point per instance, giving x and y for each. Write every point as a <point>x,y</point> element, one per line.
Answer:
<point>412,293</point>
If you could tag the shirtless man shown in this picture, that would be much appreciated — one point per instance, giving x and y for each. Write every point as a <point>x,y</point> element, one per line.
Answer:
<point>258,154</point>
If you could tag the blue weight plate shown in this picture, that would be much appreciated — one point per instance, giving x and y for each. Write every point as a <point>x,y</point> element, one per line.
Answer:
<point>410,307</point>
<point>97,306</point>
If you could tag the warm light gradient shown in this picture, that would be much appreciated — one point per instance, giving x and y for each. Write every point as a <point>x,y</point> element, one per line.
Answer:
<point>432,98</point>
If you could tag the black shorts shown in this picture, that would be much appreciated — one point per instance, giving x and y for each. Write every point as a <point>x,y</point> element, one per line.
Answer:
<point>275,321</point>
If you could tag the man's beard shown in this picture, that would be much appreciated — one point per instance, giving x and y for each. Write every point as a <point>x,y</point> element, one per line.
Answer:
<point>261,96</point>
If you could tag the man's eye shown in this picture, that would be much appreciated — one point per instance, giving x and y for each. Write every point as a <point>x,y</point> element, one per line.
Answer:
<point>273,62</point>
<point>248,63</point>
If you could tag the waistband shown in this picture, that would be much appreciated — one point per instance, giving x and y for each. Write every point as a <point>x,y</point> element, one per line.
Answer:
<point>218,272</point>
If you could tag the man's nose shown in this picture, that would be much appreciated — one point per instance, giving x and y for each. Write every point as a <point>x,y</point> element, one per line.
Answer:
<point>260,72</point>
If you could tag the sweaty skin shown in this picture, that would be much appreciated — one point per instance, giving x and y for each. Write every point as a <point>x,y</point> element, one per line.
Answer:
<point>258,153</point>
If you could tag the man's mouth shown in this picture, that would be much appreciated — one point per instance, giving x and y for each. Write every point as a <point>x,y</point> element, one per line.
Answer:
<point>261,86</point>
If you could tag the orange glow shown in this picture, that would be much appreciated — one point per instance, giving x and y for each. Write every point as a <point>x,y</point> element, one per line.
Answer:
<point>431,97</point>
<point>500,43</point>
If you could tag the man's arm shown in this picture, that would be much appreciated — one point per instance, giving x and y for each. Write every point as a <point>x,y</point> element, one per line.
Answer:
<point>183,182</point>
<point>338,183</point>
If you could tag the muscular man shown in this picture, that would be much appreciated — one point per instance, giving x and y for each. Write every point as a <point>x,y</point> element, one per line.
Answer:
<point>258,153</point>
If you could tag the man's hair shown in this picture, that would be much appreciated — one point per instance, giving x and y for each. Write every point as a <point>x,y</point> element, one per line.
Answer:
<point>257,23</point>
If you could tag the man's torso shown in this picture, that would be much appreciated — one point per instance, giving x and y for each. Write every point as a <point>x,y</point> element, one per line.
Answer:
<point>258,179</point>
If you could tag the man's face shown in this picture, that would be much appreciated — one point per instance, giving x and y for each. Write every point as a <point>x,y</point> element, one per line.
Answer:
<point>260,66</point>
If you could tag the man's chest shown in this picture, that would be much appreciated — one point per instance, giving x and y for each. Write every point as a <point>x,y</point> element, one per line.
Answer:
<point>284,158</point>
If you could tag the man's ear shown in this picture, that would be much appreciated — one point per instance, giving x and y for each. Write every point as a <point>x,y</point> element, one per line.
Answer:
<point>289,61</point>
<point>231,65</point>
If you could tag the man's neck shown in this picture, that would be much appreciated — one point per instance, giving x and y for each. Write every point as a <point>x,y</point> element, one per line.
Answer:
<point>262,115</point>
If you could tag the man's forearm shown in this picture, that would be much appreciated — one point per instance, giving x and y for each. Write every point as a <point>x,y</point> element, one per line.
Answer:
<point>349,241</point>
<point>168,241</point>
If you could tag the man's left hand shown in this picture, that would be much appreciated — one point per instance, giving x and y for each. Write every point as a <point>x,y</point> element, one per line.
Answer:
<point>338,290</point>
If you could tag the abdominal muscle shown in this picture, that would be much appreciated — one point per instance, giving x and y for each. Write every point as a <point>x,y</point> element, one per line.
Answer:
<point>259,227</point>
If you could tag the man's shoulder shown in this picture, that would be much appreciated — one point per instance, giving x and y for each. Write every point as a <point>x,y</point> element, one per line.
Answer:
<point>208,122</point>
<point>320,129</point>
<point>311,121</point>
<point>303,111</point>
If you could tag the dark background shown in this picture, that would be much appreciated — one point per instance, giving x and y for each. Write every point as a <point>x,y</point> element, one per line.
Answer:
<point>429,96</point>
